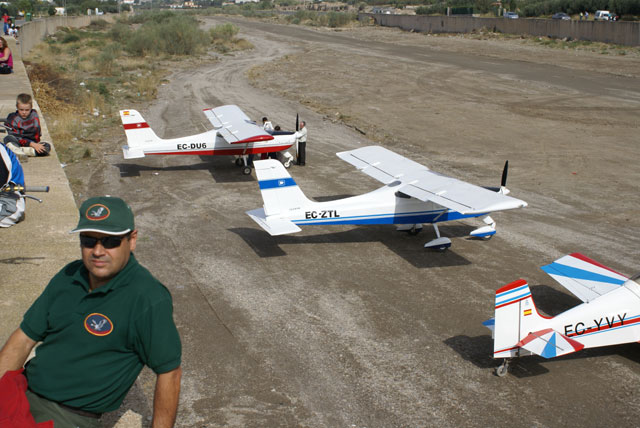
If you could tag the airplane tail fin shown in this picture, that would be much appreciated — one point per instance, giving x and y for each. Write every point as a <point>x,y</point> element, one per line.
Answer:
<point>280,192</point>
<point>518,328</point>
<point>515,317</point>
<point>281,196</point>
<point>138,132</point>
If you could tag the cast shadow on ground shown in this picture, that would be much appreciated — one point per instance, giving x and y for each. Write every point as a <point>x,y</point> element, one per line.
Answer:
<point>551,302</point>
<point>222,170</point>
<point>21,260</point>
<point>479,350</point>
<point>410,248</point>
<point>136,402</point>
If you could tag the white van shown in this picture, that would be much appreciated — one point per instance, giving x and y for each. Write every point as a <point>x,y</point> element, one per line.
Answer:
<point>602,15</point>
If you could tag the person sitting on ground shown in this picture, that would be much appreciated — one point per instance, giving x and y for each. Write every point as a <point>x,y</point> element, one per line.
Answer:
<point>99,320</point>
<point>13,30</point>
<point>23,127</point>
<point>11,201</point>
<point>6,59</point>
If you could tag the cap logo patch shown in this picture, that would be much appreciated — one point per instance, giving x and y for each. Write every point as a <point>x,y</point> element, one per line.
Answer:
<point>97,212</point>
<point>98,324</point>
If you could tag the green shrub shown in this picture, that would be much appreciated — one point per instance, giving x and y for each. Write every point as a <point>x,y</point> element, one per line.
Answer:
<point>106,59</point>
<point>119,32</point>
<point>340,19</point>
<point>223,32</point>
<point>168,32</point>
<point>70,37</point>
<point>98,24</point>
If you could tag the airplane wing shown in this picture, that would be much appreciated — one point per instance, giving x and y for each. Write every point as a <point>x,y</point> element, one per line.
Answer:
<point>234,126</point>
<point>549,343</point>
<point>420,182</point>
<point>585,278</point>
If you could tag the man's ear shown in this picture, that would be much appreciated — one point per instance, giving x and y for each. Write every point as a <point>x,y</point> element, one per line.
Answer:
<point>133,239</point>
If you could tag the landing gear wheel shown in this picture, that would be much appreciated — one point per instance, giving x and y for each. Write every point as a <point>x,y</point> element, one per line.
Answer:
<point>287,164</point>
<point>502,369</point>
<point>486,238</point>
<point>239,162</point>
<point>442,249</point>
<point>246,170</point>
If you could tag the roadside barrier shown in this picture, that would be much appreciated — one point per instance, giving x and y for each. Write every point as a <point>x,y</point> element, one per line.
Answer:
<point>620,32</point>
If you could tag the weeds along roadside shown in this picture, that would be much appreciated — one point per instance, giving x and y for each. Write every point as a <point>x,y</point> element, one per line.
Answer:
<point>82,77</point>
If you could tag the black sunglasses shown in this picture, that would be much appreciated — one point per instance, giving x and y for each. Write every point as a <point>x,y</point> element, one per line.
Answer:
<point>108,242</point>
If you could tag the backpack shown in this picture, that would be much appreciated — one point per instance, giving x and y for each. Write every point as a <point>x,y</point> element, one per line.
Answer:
<point>11,202</point>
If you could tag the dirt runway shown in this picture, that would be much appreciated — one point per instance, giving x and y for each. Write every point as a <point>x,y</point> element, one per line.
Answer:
<point>343,326</point>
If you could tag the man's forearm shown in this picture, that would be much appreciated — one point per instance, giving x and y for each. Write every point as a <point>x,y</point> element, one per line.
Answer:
<point>15,351</point>
<point>166,398</point>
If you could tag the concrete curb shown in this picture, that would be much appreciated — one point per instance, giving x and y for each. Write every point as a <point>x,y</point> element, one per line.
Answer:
<point>36,248</point>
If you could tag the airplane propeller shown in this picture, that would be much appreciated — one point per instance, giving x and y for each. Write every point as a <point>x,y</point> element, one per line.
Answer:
<point>503,182</point>
<point>297,122</point>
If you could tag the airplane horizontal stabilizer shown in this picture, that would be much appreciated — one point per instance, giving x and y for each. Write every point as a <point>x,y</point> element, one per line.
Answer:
<point>490,324</point>
<point>132,152</point>
<point>549,343</point>
<point>585,278</point>
<point>273,225</point>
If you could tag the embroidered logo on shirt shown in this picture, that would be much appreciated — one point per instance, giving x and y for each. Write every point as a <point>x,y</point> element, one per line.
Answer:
<point>97,212</point>
<point>98,324</point>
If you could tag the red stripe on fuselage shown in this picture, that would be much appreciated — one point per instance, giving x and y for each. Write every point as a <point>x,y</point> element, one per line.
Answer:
<point>605,326</point>
<point>135,125</point>
<point>226,152</point>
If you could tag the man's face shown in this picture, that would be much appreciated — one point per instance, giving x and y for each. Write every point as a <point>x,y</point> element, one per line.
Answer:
<point>24,110</point>
<point>105,263</point>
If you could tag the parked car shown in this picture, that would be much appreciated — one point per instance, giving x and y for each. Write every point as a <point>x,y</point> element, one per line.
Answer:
<point>561,15</point>
<point>510,15</point>
<point>602,15</point>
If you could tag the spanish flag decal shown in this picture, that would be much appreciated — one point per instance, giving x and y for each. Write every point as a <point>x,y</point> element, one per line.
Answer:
<point>527,312</point>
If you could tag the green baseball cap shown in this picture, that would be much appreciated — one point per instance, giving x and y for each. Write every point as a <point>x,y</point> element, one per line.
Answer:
<point>105,214</point>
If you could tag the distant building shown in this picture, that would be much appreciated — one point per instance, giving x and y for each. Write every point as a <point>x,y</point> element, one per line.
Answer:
<point>246,1</point>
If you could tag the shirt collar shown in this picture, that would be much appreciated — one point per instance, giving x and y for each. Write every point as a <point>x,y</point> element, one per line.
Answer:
<point>81,276</point>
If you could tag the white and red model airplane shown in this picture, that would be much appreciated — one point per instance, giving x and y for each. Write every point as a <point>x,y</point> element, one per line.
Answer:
<point>412,195</point>
<point>610,314</point>
<point>233,133</point>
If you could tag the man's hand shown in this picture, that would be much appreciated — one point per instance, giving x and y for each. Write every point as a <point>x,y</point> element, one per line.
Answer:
<point>166,398</point>
<point>15,351</point>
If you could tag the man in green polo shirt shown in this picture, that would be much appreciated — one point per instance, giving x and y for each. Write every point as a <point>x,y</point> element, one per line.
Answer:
<point>100,320</point>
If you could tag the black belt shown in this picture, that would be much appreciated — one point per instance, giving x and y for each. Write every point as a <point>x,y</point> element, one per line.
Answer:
<point>72,409</point>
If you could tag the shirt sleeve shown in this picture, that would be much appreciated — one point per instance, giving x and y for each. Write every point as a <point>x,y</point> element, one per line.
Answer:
<point>34,323</point>
<point>158,342</point>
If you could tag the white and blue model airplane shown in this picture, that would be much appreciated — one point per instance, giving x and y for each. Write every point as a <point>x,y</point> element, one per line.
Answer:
<point>610,314</point>
<point>412,195</point>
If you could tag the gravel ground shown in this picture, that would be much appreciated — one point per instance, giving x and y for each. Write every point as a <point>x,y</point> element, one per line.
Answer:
<point>344,326</point>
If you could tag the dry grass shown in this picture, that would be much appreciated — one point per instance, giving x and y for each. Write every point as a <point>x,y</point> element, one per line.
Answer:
<point>81,77</point>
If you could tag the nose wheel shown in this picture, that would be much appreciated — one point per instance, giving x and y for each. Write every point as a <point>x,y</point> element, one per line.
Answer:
<point>503,369</point>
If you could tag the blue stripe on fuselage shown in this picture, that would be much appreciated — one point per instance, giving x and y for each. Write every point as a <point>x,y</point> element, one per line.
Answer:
<point>275,183</point>
<point>396,218</point>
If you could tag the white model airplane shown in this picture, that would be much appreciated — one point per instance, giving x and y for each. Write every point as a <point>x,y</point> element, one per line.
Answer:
<point>233,133</point>
<point>412,195</point>
<point>610,314</point>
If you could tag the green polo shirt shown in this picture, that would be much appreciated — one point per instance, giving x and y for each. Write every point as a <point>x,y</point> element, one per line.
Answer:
<point>94,344</point>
